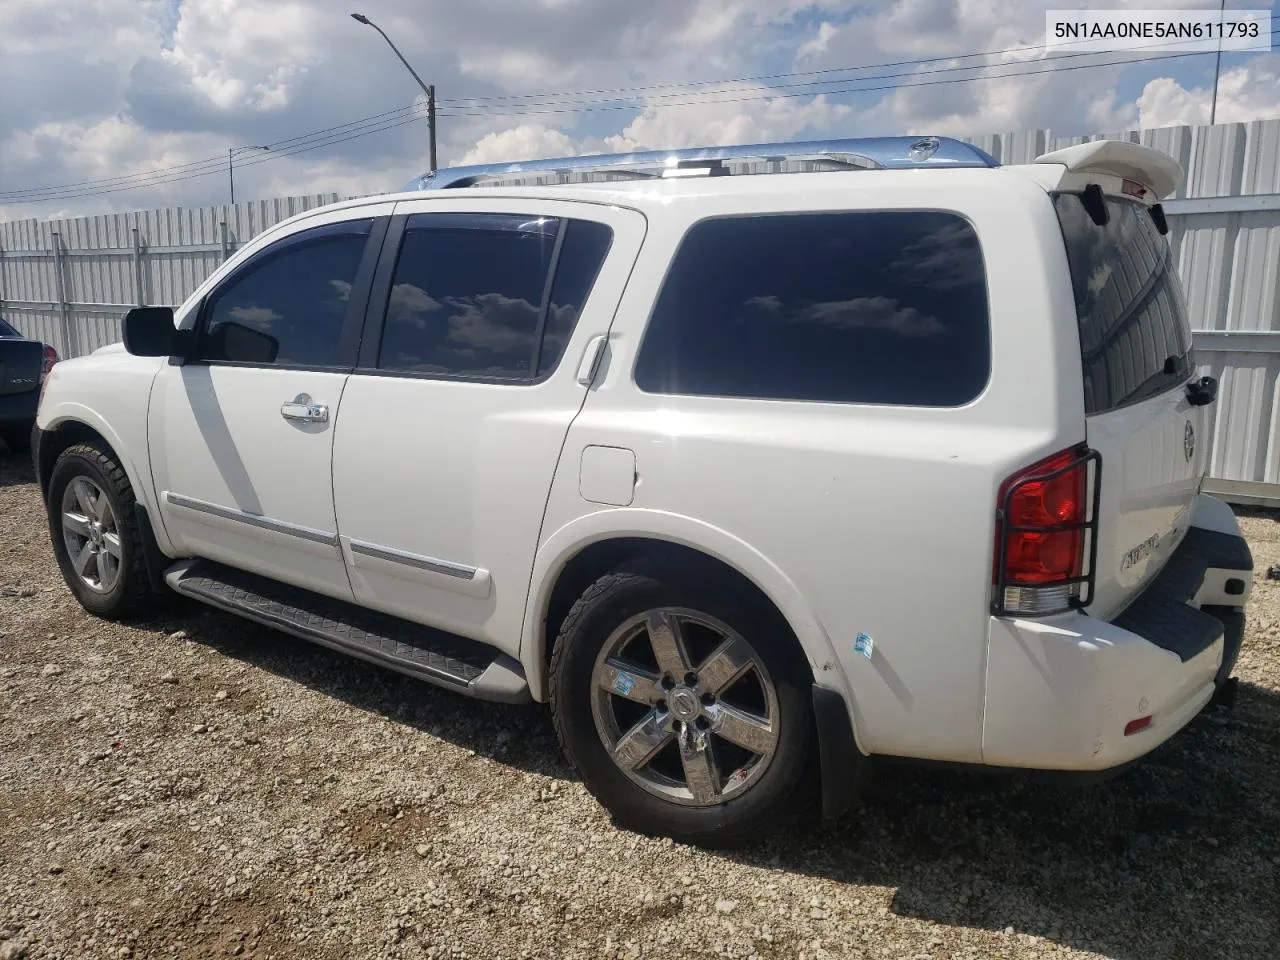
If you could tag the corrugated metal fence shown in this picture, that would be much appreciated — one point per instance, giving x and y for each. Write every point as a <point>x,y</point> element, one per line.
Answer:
<point>68,282</point>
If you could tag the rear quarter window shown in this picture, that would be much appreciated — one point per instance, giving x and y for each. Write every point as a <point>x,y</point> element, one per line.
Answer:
<point>859,307</point>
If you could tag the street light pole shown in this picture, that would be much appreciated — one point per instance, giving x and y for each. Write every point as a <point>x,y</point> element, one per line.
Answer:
<point>231,170</point>
<point>428,89</point>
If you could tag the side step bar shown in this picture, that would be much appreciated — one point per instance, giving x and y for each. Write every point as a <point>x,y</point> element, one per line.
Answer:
<point>441,658</point>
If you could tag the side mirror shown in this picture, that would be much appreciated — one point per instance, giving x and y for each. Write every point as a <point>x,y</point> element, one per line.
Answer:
<point>149,332</point>
<point>234,341</point>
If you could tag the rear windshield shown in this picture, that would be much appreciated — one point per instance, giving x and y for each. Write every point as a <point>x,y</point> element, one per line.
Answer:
<point>1135,342</point>
<point>8,331</point>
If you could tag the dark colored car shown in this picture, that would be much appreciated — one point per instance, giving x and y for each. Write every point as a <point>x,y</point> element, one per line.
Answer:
<point>23,366</point>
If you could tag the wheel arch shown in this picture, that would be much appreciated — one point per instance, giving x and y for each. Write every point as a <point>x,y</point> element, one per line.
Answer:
<point>580,552</point>
<point>67,427</point>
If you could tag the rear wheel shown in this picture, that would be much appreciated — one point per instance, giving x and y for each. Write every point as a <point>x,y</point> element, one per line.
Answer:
<point>683,705</point>
<point>95,535</point>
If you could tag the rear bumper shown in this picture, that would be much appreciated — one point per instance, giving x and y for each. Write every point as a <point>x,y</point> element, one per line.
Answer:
<point>1061,690</point>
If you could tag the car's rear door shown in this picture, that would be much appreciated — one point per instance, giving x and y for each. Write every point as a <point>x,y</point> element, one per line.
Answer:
<point>451,427</point>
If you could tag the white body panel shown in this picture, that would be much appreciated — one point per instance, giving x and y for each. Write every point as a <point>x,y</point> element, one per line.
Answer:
<point>108,391</point>
<point>222,455</point>
<point>458,504</point>
<point>472,463</point>
<point>1148,485</point>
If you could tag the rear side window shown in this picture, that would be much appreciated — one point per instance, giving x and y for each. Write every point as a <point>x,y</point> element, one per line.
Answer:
<point>866,307</point>
<point>1135,341</point>
<point>488,296</point>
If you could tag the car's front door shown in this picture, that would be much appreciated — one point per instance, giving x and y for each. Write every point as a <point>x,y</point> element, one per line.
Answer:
<point>241,433</point>
<point>471,371</point>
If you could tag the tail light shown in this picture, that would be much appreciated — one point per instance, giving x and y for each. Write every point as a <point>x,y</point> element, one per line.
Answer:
<point>1046,525</point>
<point>50,358</point>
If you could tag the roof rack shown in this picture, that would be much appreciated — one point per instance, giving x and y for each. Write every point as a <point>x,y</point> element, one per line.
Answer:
<point>867,153</point>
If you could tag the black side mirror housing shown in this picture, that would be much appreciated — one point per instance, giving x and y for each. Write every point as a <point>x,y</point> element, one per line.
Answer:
<point>149,332</point>
<point>234,341</point>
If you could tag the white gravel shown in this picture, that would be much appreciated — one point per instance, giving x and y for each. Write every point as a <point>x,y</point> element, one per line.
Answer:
<point>191,785</point>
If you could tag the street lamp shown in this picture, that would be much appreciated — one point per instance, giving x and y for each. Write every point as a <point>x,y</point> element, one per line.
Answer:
<point>428,89</point>
<point>231,171</point>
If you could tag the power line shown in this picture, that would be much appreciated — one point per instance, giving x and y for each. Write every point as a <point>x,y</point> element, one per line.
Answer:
<point>651,100</point>
<point>800,73</point>
<point>266,158</point>
<point>588,108</point>
<point>391,119</point>
<point>217,162</point>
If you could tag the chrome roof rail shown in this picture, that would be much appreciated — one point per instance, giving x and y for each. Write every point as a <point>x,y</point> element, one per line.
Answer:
<point>872,153</point>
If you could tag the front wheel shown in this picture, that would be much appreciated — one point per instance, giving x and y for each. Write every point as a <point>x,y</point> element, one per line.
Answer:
<point>683,705</point>
<point>95,535</point>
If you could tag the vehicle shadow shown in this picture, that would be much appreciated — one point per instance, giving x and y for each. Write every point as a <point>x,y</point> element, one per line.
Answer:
<point>1178,857</point>
<point>517,736</point>
<point>16,469</point>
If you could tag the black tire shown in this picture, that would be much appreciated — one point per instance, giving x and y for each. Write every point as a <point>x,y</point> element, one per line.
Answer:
<point>18,441</point>
<point>132,588</point>
<point>610,602</point>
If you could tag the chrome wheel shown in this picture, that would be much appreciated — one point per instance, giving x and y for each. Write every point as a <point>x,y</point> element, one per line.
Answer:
<point>91,535</point>
<point>684,706</point>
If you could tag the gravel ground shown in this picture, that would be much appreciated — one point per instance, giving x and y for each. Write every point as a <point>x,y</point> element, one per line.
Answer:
<point>192,785</point>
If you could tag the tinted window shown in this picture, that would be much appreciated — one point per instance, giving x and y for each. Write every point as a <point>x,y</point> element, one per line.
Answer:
<point>467,295</point>
<point>585,245</point>
<point>288,305</point>
<point>842,307</point>
<point>8,331</point>
<point>1135,341</point>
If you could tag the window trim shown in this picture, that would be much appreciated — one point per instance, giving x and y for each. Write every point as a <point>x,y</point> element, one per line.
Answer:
<point>375,318</point>
<point>352,320</point>
<point>775,214</point>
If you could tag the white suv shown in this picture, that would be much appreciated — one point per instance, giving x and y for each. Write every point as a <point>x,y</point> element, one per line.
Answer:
<point>742,459</point>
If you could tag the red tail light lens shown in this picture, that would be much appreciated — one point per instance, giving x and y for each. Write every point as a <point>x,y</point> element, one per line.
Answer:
<point>1040,534</point>
<point>50,358</point>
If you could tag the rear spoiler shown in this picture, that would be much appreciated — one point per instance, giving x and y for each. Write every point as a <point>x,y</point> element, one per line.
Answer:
<point>1156,171</point>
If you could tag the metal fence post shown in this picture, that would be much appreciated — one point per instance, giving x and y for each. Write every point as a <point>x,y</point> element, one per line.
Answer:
<point>2,279</point>
<point>139,294</point>
<point>70,341</point>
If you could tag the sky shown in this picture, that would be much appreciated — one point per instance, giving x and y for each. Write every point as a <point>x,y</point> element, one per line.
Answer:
<point>116,105</point>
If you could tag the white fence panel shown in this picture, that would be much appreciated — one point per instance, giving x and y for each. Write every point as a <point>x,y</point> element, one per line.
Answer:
<point>69,282</point>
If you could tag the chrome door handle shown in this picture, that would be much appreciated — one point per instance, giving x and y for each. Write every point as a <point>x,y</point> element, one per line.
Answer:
<point>301,408</point>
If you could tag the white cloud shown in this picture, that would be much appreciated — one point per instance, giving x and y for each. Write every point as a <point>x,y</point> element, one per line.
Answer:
<point>527,141</point>
<point>731,118</point>
<point>115,88</point>
<point>1248,92</point>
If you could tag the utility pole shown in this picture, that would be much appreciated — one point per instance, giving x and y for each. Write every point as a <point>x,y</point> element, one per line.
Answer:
<point>428,89</point>
<point>231,169</point>
<point>1217,67</point>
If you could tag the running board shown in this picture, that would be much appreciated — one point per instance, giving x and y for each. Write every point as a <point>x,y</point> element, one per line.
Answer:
<point>441,658</point>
